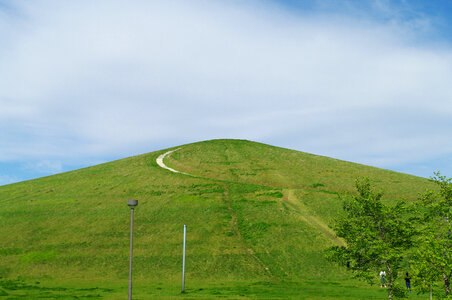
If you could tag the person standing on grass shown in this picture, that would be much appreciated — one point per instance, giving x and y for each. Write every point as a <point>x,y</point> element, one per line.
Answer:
<point>383,278</point>
<point>408,282</point>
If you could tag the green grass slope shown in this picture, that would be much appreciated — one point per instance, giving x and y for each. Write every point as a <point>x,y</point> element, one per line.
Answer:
<point>257,219</point>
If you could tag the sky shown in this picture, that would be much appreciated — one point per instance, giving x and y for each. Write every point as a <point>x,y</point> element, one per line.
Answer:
<point>86,82</point>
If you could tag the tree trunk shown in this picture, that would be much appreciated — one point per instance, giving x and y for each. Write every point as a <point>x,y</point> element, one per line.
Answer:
<point>447,278</point>
<point>431,292</point>
<point>388,268</point>
<point>389,292</point>
<point>446,284</point>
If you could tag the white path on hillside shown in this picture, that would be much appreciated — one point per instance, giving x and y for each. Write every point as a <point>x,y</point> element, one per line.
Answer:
<point>161,164</point>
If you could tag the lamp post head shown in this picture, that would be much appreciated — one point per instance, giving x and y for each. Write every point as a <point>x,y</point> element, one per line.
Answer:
<point>132,203</point>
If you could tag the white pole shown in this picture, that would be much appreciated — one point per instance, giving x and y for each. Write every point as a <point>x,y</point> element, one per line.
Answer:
<point>183,262</point>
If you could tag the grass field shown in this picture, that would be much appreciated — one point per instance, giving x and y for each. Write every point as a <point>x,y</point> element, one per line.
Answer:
<point>257,219</point>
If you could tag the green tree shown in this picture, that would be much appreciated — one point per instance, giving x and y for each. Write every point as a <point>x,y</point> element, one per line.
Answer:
<point>377,236</point>
<point>433,259</point>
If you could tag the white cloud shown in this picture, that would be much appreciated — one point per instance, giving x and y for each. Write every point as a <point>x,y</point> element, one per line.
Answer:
<point>85,79</point>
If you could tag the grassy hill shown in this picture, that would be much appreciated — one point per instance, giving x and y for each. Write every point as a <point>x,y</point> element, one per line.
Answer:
<point>257,219</point>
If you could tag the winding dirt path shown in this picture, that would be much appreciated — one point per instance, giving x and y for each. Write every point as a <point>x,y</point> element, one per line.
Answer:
<point>160,162</point>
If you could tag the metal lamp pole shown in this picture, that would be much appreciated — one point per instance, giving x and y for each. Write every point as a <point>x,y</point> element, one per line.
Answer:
<point>131,204</point>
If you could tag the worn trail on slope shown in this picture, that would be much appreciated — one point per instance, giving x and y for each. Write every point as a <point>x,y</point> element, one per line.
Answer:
<point>161,164</point>
<point>289,198</point>
<point>308,217</point>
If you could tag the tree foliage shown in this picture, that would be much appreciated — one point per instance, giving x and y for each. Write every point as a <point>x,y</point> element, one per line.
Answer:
<point>433,259</point>
<point>377,236</point>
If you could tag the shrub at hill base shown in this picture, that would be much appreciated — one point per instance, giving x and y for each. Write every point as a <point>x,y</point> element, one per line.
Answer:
<point>377,237</point>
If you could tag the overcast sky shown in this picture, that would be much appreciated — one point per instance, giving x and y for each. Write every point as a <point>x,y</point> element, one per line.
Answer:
<point>85,82</point>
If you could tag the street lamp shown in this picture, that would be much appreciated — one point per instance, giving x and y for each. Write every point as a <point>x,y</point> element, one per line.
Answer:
<point>131,204</point>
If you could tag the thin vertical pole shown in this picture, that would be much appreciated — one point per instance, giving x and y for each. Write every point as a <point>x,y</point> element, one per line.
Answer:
<point>131,250</point>
<point>183,261</point>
